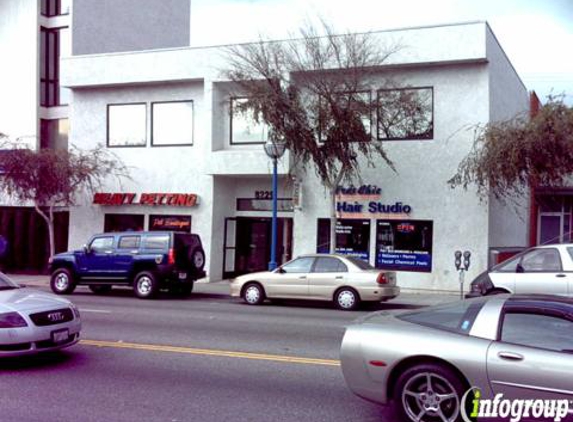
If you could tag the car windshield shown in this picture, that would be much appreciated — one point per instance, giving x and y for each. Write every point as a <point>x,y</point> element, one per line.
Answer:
<point>6,283</point>
<point>363,265</point>
<point>457,317</point>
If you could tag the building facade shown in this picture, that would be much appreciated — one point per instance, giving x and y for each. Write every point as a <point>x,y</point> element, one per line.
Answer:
<point>138,88</point>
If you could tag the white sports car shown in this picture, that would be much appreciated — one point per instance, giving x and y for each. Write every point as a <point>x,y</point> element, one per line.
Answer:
<point>33,321</point>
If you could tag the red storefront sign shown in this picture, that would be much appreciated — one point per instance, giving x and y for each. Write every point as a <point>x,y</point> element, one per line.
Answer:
<point>153,199</point>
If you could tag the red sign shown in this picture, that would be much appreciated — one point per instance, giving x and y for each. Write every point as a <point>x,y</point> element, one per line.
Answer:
<point>165,199</point>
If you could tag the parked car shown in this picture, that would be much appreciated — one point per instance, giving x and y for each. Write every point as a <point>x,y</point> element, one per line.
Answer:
<point>544,269</point>
<point>344,280</point>
<point>32,321</point>
<point>147,261</point>
<point>426,360</point>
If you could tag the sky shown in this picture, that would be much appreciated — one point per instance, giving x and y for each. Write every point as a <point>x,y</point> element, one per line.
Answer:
<point>536,35</point>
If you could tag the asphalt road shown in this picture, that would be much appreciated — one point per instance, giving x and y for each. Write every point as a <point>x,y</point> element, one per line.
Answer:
<point>205,358</point>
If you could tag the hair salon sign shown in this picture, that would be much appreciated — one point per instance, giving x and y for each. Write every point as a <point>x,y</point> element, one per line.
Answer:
<point>365,202</point>
<point>150,199</point>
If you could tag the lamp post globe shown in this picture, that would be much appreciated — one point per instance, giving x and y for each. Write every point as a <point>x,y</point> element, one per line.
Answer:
<point>275,150</point>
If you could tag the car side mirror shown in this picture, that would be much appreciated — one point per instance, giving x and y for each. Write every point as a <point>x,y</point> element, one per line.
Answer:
<point>280,270</point>
<point>86,249</point>
<point>519,269</point>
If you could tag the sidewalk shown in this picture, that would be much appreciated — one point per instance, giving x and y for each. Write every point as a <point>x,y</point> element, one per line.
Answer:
<point>221,288</point>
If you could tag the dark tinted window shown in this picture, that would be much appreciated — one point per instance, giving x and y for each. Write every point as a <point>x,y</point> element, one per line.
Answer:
<point>363,265</point>
<point>299,265</point>
<point>160,242</point>
<point>542,331</point>
<point>457,316</point>
<point>128,242</point>
<point>329,265</point>
<point>100,244</point>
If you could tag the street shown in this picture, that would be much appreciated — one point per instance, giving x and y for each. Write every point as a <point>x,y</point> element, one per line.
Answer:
<point>205,358</point>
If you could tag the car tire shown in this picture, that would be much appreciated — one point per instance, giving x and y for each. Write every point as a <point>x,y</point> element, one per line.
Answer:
<point>145,285</point>
<point>430,390</point>
<point>62,282</point>
<point>346,299</point>
<point>197,259</point>
<point>100,289</point>
<point>253,294</point>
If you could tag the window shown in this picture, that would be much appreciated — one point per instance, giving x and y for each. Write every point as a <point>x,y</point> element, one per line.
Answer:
<point>126,125</point>
<point>352,237</point>
<point>54,134</point>
<point>55,7</point>
<point>357,105</point>
<point>244,127</point>
<point>329,265</point>
<point>541,331</point>
<point>540,260</point>
<point>123,222</point>
<point>404,245</point>
<point>299,265</point>
<point>160,242</point>
<point>128,242</point>
<point>456,316</point>
<point>54,43</point>
<point>180,223</point>
<point>405,114</point>
<point>101,244</point>
<point>172,123</point>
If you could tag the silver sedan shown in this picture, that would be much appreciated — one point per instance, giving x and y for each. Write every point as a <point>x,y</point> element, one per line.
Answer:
<point>344,280</point>
<point>430,363</point>
<point>32,321</point>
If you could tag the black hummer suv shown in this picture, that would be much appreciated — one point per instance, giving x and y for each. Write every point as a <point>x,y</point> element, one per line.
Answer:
<point>147,261</point>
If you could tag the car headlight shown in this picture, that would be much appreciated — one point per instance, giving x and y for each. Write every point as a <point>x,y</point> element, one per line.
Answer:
<point>12,320</point>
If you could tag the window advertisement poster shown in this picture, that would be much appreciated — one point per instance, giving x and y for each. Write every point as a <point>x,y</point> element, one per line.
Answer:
<point>404,245</point>
<point>179,223</point>
<point>353,238</point>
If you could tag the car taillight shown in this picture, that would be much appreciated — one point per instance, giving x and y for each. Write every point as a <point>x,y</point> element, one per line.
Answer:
<point>381,279</point>
<point>171,256</point>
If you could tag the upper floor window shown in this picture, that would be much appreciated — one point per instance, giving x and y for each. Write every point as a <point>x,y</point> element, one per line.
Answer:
<point>126,125</point>
<point>56,7</point>
<point>405,114</point>
<point>172,123</point>
<point>244,126</point>
<point>356,105</point>
<point>54,133</point>
<point>54,43</point>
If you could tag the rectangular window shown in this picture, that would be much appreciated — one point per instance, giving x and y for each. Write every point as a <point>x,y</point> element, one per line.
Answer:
<point>244,127</point>
<point>250,204</point>
<point>172,123</point>
<point>405,114</point>
<point>352,237</point>
<point>54,44</point>
<point>55,7</point>
<point>126,125</point>
<point>180,223</point>
<point>357,104</point>
<point>123,222</point>
<point>158,242</point>
<point>128,242</point>
<point>54,134</point>
<point>404,245</point>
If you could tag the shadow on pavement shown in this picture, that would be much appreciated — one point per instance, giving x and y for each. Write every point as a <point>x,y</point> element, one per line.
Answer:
<point>38,361</point>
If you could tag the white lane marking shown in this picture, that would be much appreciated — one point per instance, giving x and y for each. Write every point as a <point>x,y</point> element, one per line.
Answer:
<point>95,311</point>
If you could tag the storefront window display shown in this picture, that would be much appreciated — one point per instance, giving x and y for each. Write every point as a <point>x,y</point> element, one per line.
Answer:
<point>352,237</point>
<point>123,222</point>
<point>404,245</point>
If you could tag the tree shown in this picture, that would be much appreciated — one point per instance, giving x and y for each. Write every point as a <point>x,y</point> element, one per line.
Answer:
<point>314,93</point>
<point>52,178</point>
<point>508,157</point>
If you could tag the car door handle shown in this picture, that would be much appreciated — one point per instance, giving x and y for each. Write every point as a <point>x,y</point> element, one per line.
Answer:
<point>510,356</point>
<point>302,277</point>
<point>338,277</point>
<point>560,275</point>
<point>134,251</point>
<point>108,252</point>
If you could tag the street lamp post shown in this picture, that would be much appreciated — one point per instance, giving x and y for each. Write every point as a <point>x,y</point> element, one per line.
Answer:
<point>275,150</point>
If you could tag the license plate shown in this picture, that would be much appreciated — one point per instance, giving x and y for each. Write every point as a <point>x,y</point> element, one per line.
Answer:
<point>182,276</point>
<point>60,336</point>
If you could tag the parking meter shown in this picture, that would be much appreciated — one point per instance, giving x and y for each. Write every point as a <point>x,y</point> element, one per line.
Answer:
<point>467,255</point>
<point>458,256</point>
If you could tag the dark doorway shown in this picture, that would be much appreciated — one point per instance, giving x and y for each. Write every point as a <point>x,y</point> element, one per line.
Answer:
<point>248,244</point>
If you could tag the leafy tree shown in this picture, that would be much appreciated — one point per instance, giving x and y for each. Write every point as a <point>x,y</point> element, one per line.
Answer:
<point>508,157</point>
<point>314,93</point>
<point>51,178</point>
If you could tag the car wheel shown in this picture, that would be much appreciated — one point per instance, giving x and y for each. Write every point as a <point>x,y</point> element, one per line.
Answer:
<point>197,259</point>
<point>100,290</point>
<point>346,299</point>
<point>62,282</point>
<point>253,294</point>
<point>427,393</point>
<point>145,285</point>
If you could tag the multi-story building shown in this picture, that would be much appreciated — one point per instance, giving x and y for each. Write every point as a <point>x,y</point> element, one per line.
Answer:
<point>165,109</point>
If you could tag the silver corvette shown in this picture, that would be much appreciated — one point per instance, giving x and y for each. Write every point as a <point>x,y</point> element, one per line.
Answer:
<point>33,321</point>
<point>431,363</point>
